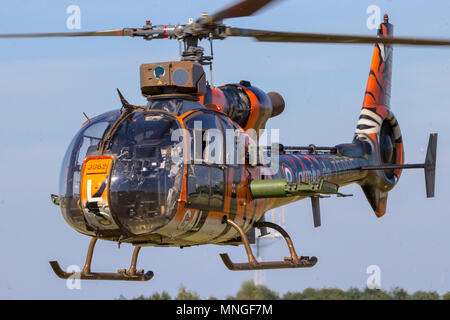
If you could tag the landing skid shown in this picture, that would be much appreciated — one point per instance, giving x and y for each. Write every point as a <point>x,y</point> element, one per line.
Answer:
<point>126,275</point>
<point>304,262</point>
<point>294,261</point>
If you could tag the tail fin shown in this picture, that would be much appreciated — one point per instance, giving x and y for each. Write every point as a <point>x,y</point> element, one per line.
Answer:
<point>378,132</point>
<point>378,127</point>
<point>430,165</point>
<point>376,104</point>
<point>378,90</point>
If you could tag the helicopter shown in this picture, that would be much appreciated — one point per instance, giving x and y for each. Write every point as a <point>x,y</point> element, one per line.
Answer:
<point>164,175</point>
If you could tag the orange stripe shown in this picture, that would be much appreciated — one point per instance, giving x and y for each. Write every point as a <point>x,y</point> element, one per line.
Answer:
<point>255,112</point>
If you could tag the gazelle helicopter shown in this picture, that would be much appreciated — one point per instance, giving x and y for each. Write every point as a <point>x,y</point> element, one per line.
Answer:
<point>164,174</point>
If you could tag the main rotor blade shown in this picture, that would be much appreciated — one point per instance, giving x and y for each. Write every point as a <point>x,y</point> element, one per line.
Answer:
<point>106,33</point>
<point>276,36</point>
<point>243,8</point>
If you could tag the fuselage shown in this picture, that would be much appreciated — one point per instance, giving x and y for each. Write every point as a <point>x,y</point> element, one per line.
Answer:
<point>158,178</point>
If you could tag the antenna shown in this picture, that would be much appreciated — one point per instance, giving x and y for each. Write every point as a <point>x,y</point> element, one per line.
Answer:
<point>211,61</point>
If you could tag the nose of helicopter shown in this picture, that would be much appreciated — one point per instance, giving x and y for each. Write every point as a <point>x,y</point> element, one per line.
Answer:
<point>133,186</point>
<point>146,177</point>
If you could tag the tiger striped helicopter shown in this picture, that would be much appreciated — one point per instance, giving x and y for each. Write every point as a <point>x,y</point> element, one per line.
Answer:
<point>188,168</point>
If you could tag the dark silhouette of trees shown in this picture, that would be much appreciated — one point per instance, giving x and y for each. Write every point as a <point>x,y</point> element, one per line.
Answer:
<point>184,294</point>
<point>250,291</point>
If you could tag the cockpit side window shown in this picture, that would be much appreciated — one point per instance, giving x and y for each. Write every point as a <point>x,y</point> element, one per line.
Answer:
<point>207,120</point>
<point>205,187</point>
<point>207,138</point>
<point>234,141</point>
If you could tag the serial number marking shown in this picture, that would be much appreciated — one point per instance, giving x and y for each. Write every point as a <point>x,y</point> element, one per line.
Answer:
<point>97,166</point>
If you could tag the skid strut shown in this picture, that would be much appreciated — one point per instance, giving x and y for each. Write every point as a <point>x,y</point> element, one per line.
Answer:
<point>128,275</point>
<point>294,261</point>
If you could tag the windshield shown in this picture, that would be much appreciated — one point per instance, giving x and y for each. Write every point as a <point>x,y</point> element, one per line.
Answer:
<point>83,144</point>
<point>141,189</point>
<point>145,181</point>
<point>175,106</point>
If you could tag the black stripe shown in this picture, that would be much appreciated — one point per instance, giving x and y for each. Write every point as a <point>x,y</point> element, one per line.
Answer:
<point>371,94</point>
<point>100,191</point>
<point>364,116</point>
<point>364,127</point>
<point>380,56</point>
<point>374,110</point>
<point>378,83</point>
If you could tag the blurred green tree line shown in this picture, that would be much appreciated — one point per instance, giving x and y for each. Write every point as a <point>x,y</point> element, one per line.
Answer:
<point>250,291</point>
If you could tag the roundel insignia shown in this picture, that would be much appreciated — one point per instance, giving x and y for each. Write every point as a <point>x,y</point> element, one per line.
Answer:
<point>288,174</point>
<point>159,72</point>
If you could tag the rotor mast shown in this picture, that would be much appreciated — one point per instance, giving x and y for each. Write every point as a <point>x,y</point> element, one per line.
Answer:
<point>195,53</point>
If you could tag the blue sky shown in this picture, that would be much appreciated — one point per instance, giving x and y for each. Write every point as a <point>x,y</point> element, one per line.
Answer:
<point>46,84</point>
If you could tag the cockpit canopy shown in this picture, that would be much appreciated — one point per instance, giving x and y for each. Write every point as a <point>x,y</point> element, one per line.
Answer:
<point>145,156</point>
<point>144,182</point>
<point>175,106</point>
